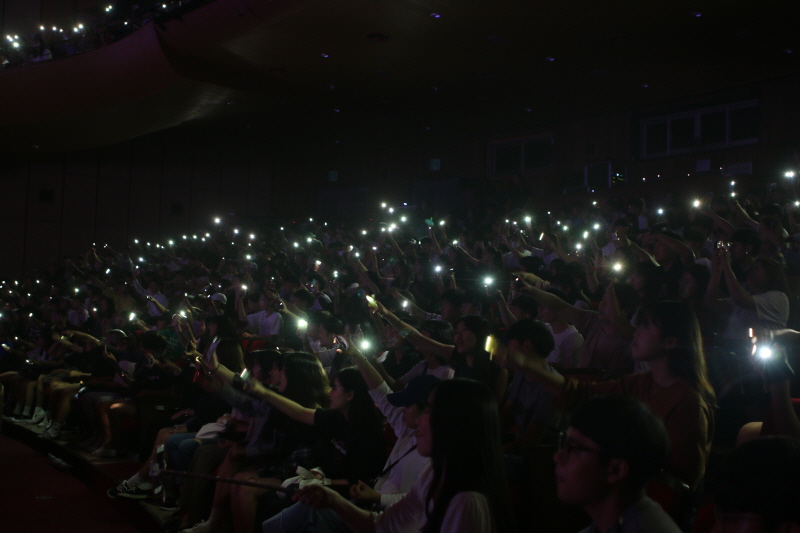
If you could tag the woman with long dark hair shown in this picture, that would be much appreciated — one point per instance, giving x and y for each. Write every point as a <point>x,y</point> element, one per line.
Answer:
<point>676,388</point>
<point>465,491</point>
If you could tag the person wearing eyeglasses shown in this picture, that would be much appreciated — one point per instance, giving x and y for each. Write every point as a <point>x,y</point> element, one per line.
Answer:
<point>612,448</point>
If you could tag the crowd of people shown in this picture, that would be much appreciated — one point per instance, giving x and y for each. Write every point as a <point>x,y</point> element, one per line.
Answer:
<point>92,30</point>
<point>405,373</point>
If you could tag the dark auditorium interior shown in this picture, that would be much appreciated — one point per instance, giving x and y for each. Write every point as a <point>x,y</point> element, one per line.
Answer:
<point>216,207</point>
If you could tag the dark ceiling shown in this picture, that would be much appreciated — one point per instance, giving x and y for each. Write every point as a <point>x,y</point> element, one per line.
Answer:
<point>331,71</point>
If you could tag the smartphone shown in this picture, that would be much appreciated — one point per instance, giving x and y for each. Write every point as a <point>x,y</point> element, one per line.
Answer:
<point>211,349</point>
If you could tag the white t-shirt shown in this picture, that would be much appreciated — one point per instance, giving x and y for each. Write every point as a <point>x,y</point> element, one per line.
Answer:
<point>703,261</point>
<point>771,312</point>
<point>421,368</point>
<point>408,464</point>
<point>468,512</point>
<point>546,257</point>
<point>570,345</point>
<point>264,325</point>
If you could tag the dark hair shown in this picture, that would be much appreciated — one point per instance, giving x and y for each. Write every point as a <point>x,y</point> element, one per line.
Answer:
<point>687,359</point>
<point>333,325</point>
<point>362,414</point>
<point>305,296</point>
<point>266,359</point>
<point>224,326</point>
<point>466,451</point>
<point>454,296</point>
<point>654,280</point>
<point>229,352</point>
<point>318,317</point>
<point>624,428</point>
<point>440,330</point>
<point>748,237</point>
<point>151,340</point>
<point>775,274</point>
<point>526,304</point>
<point>534,331</point>
<point>702,277</point>
<point>627,297</point>
<point>306,382</point>
<point>483,369</point>
<point>479,327</point>
<point>761,477</point>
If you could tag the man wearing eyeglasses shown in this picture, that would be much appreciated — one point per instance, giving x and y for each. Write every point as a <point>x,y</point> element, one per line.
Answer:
<point>613,446</point>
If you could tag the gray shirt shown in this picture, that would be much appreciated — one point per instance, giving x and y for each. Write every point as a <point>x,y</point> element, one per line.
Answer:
<point>643,516</point>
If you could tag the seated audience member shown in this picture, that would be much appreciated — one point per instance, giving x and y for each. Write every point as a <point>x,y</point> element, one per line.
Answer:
<point>467,355</point>
<point>265,323</point>
<point>432,364</point>
<point>529,402</point>
<point>613,447</point>
<point>761,302</point>
<point>607,333</point>
<point>403,467</point>
<point>675,388</point>
<point>568,340</point>
<point>757,487</point>
<point>461,427</point>
<point>451,302</point>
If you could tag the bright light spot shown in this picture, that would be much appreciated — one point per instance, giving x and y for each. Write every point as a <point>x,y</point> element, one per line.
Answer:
<point>660,211</point>
<point>236,231</point>
<point>365,345</point>
<point>402,219</point>
<point>216,221</point>
<point>528,220</point>
<point>383,205</point>
<point>487,281</point>
<point>363,232</point>
<point>438,268</point>
<point>696,203</point>
<point>788,174</point>
<point>585,234</point>
<point>617,267</point>
<point>391,209</point>
<point>596,226</point>
<point>578,246</point>
<point>765,352</point>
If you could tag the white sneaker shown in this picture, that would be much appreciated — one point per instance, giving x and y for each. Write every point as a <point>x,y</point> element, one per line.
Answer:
<point>102,451</point>
<point>50,434</point>
<point>45,423</point>
<point>202,526</point>
<point>36,419</point>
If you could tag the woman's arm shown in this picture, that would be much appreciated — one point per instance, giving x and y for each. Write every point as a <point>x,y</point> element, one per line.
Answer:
<point>505,313</point>
<point>415,337</point>
<point>320,497</point>
<point>288,407</point>
<point>740,296</point>
<point>711,299</point>
<point>554,303</point>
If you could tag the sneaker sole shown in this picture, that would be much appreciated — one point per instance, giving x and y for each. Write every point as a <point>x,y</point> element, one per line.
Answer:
<point>133,496</point>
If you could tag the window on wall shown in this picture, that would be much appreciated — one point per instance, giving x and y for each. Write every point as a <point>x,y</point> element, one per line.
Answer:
<point>521,156</point>
<point>701,129</point>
